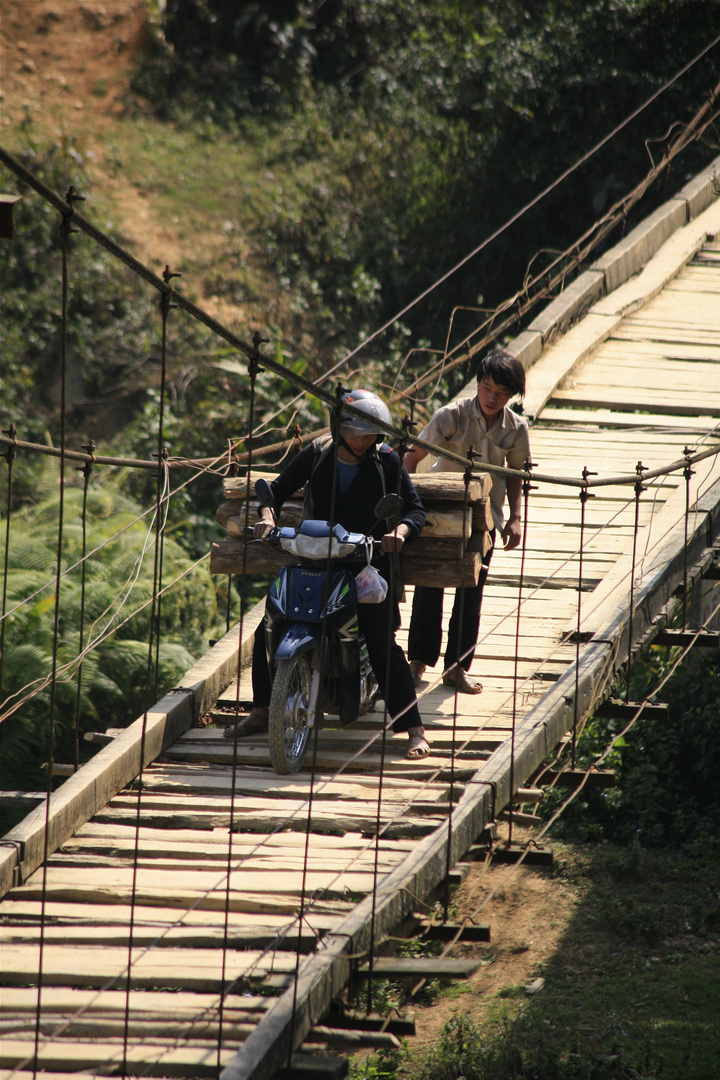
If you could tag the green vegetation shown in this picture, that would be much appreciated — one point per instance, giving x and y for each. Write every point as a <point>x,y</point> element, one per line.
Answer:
<point>412,131</point>
<point>118,679</point>
<point>666,792</point>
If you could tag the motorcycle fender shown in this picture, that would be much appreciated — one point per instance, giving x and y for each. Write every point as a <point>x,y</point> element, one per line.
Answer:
<point>297,639</point>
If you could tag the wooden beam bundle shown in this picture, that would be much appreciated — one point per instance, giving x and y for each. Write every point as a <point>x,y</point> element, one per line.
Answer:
<point>447,554</point>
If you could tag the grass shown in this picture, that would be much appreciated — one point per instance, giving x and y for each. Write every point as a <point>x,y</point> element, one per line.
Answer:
<point>171,164</point>
<point>631,990</point>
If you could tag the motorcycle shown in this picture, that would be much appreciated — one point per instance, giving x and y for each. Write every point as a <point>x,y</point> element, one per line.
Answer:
<point>315,649</point>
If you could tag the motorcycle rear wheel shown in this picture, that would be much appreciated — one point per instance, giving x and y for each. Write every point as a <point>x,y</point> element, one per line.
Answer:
<point>288,728</point>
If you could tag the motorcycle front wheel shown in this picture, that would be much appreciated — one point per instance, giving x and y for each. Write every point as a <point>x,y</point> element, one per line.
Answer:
<point>288,729</point>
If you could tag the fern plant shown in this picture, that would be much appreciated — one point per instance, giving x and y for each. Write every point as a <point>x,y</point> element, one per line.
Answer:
<point>110,682</point>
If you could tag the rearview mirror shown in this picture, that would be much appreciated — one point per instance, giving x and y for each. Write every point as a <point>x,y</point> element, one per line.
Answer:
<point>389,508</point>
<point>264,493</point>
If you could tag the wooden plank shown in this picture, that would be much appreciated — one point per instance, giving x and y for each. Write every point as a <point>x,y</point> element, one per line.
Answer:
<point>65,890</point>
<point>186,937</point>
<point>220,839</point>
<point>271,863</point>
<point>69,916</point>
<point>605,418</point>
<point>158,1030</point>
<point>649,402</point>
<point>206,778</point>
<point>182,969</point>
<point>28,799</point>
<point>353,820</point>
<point>69,1001</point>
<point>322,811</point>
<point>115,765</point>
<point>156,1058</point>
<point>180,778</point>
<point>420,967</point>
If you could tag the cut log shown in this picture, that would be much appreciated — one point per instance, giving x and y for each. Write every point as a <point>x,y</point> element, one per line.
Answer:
<point>482,519</point>
<point>481,542</point>
<point>235,487</point>
<point>434,486</point>
<point>439,522</point>
<point>430,485</point>
<point>442,568</point>
<point>433,559</point>
<point>233,556</point>
<point>438,550</point>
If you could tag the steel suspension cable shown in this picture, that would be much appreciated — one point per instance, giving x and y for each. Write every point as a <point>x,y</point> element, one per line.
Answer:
<point>584,496</point>
<point>639,488</point>
<point>688,472</point>
<point>65,232</point>
<point>395,588</point>
<point>253,370</point>
<point>9,459</point>
<point>457,669</point>
<point>86,471</point>
<point>165,306</point>
<point>538,198</point>
<point>317,704</point>
<point>526,488</point>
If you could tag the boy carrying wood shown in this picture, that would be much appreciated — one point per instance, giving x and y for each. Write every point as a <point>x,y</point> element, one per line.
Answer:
<point>498,436</point>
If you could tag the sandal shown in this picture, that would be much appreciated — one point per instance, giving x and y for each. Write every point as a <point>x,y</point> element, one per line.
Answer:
<point>418,670</point>
<point>457,678</point>
<point>251,724</point>
<point>419,748</point>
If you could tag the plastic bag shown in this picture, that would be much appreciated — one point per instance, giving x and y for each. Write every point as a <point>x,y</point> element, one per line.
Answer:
<point>371,587</point>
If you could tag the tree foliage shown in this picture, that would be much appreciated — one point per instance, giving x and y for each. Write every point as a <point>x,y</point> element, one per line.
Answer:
<point>665,768</point>
<point>430,125</point>
<point>118,676</point>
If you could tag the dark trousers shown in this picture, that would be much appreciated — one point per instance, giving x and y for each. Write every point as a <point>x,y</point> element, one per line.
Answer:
<point>395,680</point>
<point>425,633</point>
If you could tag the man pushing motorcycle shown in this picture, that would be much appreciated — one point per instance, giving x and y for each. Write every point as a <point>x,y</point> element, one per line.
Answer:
<point>345,476</point>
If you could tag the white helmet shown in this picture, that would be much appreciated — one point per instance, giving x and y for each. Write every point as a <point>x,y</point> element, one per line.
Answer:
<point>373,409</point>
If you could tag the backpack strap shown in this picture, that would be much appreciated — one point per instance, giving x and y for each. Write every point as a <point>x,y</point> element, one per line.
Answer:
<point>322,446</point>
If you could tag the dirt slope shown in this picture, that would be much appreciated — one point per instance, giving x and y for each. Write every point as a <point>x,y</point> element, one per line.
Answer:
<point>65,71</point>
<point>67,63</point>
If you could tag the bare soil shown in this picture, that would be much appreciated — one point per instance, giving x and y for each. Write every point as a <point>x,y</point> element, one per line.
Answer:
<point>65,70</point>
<point>529,909</point>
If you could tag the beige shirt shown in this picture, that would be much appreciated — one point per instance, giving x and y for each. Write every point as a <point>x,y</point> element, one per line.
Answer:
<point>461,424</point>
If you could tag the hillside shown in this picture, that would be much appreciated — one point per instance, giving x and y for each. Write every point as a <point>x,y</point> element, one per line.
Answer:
<point>66,70</point>
<point>66,80</point>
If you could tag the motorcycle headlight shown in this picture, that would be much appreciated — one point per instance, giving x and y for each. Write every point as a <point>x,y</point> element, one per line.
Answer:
<point>315,547</point>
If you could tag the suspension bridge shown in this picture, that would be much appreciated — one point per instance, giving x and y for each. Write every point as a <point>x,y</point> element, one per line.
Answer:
<point>176,909</point>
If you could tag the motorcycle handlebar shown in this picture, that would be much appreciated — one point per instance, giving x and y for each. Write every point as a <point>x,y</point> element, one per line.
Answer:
<point>273,537</point>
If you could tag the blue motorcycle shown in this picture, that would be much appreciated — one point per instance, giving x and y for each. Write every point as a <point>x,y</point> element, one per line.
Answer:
<point>315,649</point>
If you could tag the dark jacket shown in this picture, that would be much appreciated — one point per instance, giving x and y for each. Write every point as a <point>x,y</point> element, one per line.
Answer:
<point>356,508</point>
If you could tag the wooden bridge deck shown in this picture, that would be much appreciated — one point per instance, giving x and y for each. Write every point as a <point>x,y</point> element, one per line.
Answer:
<point>208,879</point>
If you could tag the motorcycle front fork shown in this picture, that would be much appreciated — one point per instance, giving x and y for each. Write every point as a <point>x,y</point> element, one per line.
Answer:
<point>314,692</point>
